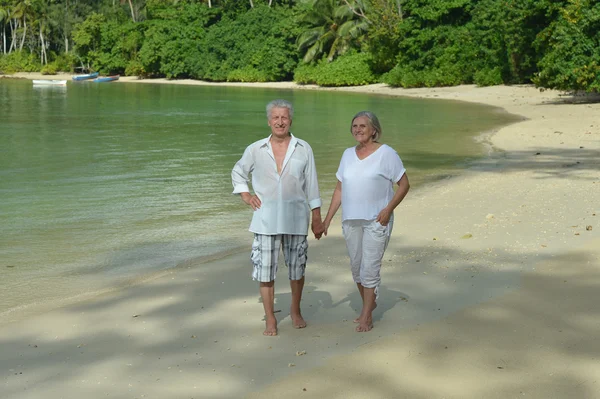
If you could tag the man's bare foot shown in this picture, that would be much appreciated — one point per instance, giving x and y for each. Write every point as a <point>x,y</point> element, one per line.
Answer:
<point>271,327</point>
<point>298,321</point>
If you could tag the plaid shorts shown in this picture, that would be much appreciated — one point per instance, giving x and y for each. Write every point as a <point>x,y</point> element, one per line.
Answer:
<point>265,254</point>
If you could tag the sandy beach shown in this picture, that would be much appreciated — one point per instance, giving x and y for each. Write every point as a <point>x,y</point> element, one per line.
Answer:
<point>490,290</point>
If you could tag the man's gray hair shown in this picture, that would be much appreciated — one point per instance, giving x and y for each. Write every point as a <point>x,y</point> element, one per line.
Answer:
<point>373,121</point>
<point>280,104</point>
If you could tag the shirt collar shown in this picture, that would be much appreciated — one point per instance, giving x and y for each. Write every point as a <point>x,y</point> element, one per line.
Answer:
<point>266,142</point>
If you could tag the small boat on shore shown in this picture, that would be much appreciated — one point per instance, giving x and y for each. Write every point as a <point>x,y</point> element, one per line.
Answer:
<point>49,82</point>
<point>86,76</point>
<point>106,79</point>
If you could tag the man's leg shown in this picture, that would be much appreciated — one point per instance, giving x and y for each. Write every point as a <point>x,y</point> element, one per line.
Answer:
<point>297,286</point>
<point>295,249</point>
<point>267,293</point>
<point>265,251</point>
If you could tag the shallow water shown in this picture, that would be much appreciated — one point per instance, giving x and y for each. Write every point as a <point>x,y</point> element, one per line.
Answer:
<point>101,184</point>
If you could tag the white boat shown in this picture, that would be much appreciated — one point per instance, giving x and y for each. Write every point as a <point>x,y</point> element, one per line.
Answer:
<point>49,82</point>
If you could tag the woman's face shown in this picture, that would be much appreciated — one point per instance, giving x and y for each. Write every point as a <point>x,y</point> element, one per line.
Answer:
<point>362,130</point>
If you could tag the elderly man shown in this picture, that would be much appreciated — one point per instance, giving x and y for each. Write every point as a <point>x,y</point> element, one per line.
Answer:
<point>284,180</point>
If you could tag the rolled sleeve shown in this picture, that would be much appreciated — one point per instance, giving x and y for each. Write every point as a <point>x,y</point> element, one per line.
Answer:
<point>316,203</point>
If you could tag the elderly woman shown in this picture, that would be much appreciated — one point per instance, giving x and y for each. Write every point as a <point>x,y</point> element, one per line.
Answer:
<point>365,190</point>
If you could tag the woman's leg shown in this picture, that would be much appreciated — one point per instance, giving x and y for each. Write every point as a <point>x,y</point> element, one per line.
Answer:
<point>353,234</point>
<point>375,240</point>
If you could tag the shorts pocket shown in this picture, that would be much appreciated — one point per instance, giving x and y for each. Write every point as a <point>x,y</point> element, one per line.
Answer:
<point>379,230</point>
<point>256,254</point>
<point>303,253</point>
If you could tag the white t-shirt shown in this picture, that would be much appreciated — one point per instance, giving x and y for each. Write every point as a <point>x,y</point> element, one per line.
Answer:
<point>368,184</point>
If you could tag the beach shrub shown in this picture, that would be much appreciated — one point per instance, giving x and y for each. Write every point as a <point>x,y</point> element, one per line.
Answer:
<point>572,59</point>
<point>306,74</point>
<point>19,61</point>
<point>247,74</point>
<point>347,70</point>
<point>135,68</point>
<point>50,69</point>
<point>488,77</point>
<point>64,62</point>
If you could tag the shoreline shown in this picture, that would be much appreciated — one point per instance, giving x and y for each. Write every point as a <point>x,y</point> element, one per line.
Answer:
<point>489,288</point>
<point>23,311</point>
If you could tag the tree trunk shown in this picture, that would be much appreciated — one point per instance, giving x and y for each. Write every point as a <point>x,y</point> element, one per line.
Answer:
<point>13,36</point>
<point>66,44</point>
<point>132,13</point>
<point>399,4</point>
<point>209,4</point>
<point>24,34</point>
<point>251,4</point>
<point>43,55</point>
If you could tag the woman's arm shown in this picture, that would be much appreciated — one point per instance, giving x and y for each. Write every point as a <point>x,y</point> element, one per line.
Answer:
<point>336,201</point>
<point>403,186</point>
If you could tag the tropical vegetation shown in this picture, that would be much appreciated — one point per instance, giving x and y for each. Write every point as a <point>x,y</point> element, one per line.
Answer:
<point>408,43</point>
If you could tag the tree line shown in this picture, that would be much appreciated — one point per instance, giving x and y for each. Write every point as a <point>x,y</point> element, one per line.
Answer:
<point>408,43</point>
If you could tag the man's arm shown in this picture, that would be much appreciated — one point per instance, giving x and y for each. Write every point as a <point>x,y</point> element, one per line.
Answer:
<point>317,224</point>
<point>313,195</point>
<point>240,177</point>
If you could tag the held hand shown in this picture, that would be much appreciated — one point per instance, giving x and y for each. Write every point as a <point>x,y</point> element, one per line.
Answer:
<point>326,224</point>
<point>384,217</point>
<point>317,229</point>
<point>251,200</point>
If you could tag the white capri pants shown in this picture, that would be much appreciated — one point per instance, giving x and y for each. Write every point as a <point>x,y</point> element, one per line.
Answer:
<point>366,241</point>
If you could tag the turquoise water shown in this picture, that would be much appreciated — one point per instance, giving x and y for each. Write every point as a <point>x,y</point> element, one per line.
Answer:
<point>101,184</point>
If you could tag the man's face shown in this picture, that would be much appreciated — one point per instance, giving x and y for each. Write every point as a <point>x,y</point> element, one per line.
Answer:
<point>280,122</point>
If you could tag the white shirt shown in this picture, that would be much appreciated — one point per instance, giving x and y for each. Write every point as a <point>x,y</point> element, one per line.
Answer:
<point>368,184</point>
<point>287,198</point>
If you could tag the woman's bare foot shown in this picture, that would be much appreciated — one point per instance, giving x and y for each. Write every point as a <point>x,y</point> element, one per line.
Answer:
<point>357,320</point>
<point>364,325</point>
<point>271,327</point>
<point>297,320</point>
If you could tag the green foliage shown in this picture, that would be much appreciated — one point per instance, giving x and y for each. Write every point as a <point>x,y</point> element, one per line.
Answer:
<point>50,69</point>
<point>120,43</point>
<point>554,43</point>
<point>19,61</point>
<point>383,35</point>
<point>135,68</point>
<point>64,62</point>
<point>347,70</point>
<point>331,28</point>
<point>572,61</point>
<point>87,37</point>
<point>247,74</point>
<point>261,38</point>
<point>488,77</point>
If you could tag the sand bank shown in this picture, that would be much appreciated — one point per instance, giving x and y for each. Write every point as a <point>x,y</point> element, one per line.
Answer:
<point>490,290</point>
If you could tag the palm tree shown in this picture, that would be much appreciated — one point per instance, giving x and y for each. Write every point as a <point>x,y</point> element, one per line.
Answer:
<point>334,26</point>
